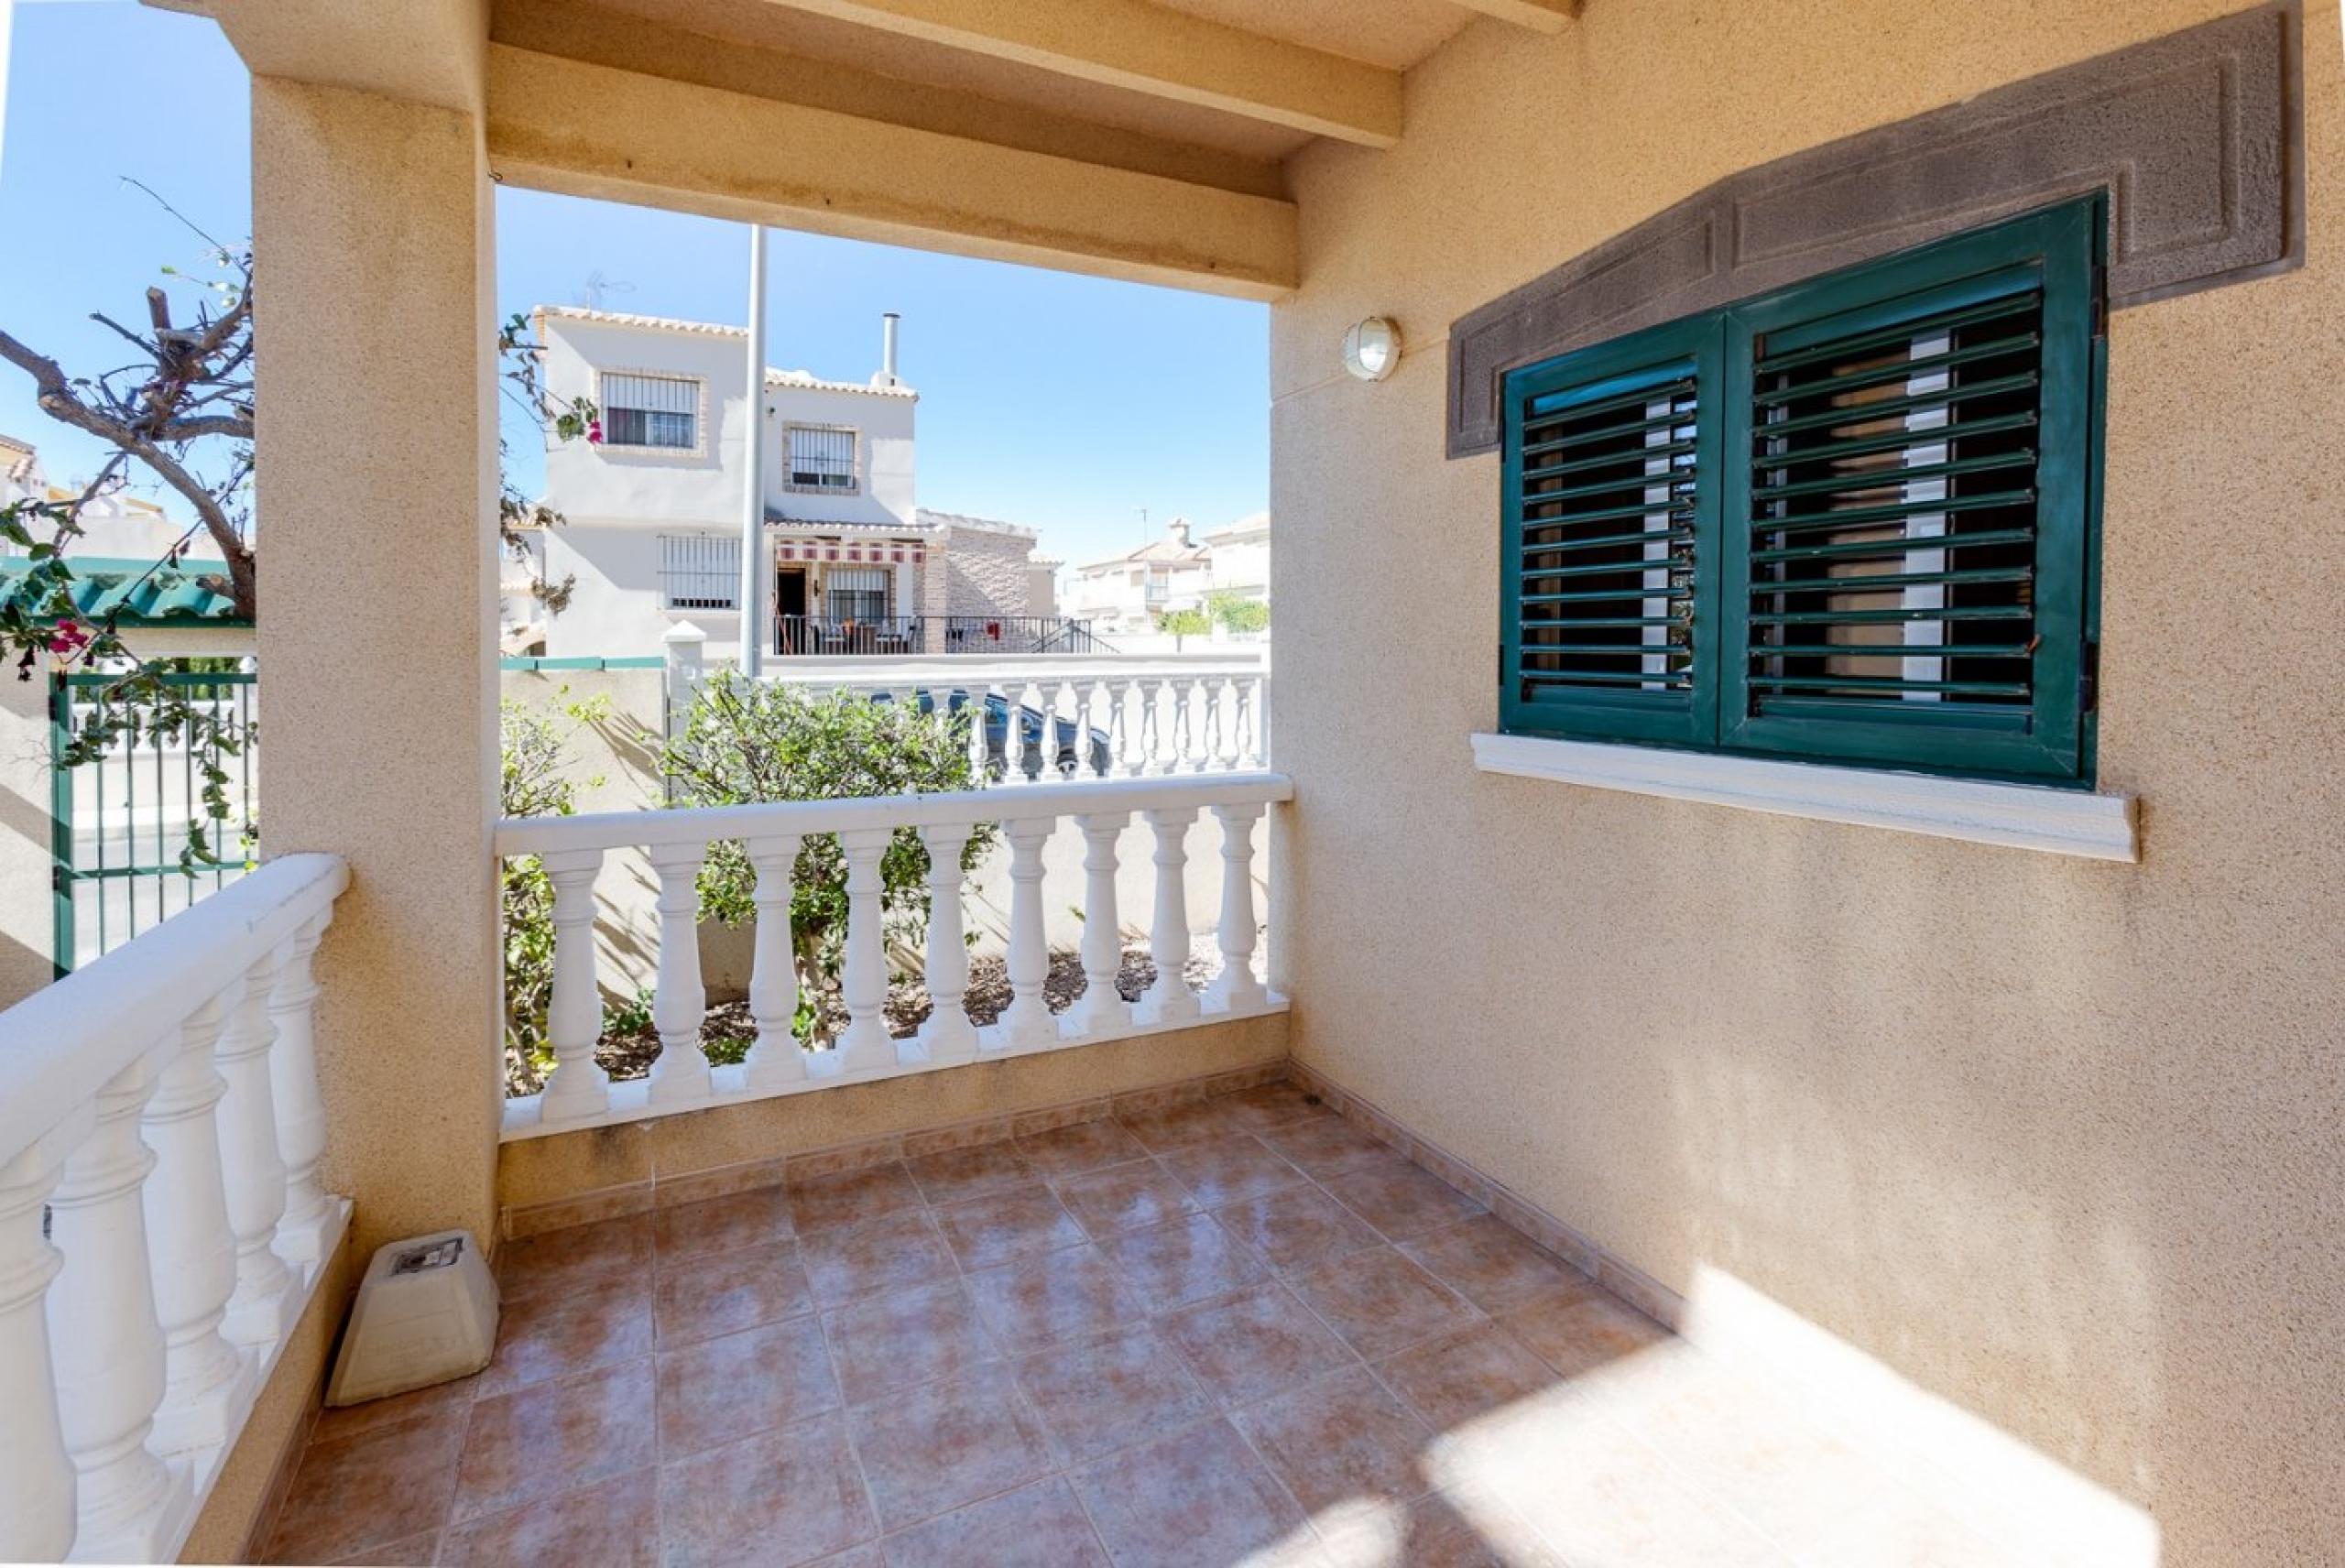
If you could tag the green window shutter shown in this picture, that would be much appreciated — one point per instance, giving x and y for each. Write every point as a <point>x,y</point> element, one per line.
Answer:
<point>1906,507</point>
<point>1609,553</point>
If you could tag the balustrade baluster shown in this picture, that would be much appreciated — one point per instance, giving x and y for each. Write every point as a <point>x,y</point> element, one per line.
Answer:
<point>679,1001</point>
<point>948,1035</point>
<point>579,1087</point>
<point>1168,997</point>
<point>1182,746</point>
<point>206,1382</point>
<point>1027,1021</point>
<point>300,1109</point>
<point>1100,1008</point>
<point>1031,698</point>
<point>776,1058</point>
<point>866,1046</point>
<point>252,1170</point>
<point>103,1336</point>
<point>1250,752</point>
<point>972,714</point>
<point>1085,692</point>
<point>1208,746</point>
<point>1228,717</point>
<point>1151,738</point>
<point>1119,728</point>
<point>1236,987</point>
<point>36,1482</point>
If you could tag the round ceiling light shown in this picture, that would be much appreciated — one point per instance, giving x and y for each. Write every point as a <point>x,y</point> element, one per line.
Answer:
<point>1372,348</point>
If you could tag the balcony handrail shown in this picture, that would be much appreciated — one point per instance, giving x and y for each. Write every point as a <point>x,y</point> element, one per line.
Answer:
<point>580,1094</point>
<point>714,824</point>
<point>63,1043</point>
<point>966,668</point>
<point>162,1223</point>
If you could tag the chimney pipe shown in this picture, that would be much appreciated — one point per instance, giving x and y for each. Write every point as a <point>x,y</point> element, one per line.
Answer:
<point>887,347</point>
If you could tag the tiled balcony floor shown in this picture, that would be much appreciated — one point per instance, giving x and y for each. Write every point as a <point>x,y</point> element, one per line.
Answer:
<point>1238,1332</point>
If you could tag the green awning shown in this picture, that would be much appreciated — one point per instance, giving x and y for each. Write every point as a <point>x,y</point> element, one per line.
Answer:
<point>146,595</point>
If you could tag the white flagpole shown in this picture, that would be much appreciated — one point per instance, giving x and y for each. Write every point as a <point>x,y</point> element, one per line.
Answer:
<point>753,458</point>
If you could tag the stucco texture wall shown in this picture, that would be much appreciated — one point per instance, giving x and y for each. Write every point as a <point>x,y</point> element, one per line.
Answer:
<point>2057,1140</point>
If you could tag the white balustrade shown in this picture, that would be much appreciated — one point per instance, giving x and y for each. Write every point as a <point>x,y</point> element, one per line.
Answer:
<point>1144,714</point>
<point>677,841</point>
<point>162,1107</point>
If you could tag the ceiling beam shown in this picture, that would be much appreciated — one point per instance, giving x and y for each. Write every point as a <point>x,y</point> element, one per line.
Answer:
<point>601,35</point>
<point>428,51</point>
<point>1540,16</point>
<point>594,130</point>
<point>1151,48</point>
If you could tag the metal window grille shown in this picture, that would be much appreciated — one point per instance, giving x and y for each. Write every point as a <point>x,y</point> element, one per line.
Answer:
<point>856,593</point>
<point>650,410</point>
<point>821,459</point>
<point>700,574</point>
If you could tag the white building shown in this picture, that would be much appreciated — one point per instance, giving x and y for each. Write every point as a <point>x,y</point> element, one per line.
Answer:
<point>1125,594</point>
<point>114,523</point>
<point>653,510</point>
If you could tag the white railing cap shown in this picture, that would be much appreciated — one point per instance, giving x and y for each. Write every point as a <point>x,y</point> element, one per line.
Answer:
<point>62,1044</point>
<point>1013,802</point>
<point>976,668</point>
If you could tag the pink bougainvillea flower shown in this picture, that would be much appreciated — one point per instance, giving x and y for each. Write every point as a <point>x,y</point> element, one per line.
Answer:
<point>69,637</point>
<point>594,432</point>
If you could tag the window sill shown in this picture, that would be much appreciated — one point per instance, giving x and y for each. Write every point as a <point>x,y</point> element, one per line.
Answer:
<point>2019,816</point>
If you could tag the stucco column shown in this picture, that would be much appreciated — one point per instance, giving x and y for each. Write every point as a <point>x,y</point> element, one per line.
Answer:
<point>372,222</point>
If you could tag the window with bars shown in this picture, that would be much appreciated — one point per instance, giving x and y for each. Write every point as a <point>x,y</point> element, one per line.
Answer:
<point>700,571</point>
<point>822,457</point>
<point>651,410</point>
<point>1853,520</point>
<point>856,592</point>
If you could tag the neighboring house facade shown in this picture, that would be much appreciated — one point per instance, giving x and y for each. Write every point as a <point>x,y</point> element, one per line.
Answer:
<point>1126,593</point>
<point>652,529</point>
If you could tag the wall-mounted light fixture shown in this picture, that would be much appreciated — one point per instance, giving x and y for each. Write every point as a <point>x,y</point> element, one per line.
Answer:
<point>1372,348</point>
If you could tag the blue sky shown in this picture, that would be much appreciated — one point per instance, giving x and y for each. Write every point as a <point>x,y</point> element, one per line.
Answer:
<point>1048,399</point>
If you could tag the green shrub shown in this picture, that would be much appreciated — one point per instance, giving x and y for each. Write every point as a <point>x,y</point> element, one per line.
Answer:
<point>1238,614</point>
<point>745,741</point>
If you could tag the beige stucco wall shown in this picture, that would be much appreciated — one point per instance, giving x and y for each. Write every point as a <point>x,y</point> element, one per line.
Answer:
<point>376,425</point>
<point>2058,1140</point>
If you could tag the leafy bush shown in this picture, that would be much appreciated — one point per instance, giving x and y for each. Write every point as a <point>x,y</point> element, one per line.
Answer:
<point>745,741</point>
<point>1239,615</point>
<point>1177,623</point>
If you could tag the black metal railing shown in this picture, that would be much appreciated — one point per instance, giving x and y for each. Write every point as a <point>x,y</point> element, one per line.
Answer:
<point>935,634</point>
<point>829,634</point>
<point>1012,634</point>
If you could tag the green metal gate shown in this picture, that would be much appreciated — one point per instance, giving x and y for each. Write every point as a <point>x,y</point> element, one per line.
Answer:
<point>118,824</point>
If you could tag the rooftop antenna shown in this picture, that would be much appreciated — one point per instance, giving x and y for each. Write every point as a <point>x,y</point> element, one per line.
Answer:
<point>1144,523</point>
<point>598,285</point>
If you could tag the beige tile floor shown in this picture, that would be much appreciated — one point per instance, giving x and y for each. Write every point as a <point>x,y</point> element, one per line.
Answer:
<point>1240,1332</point>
